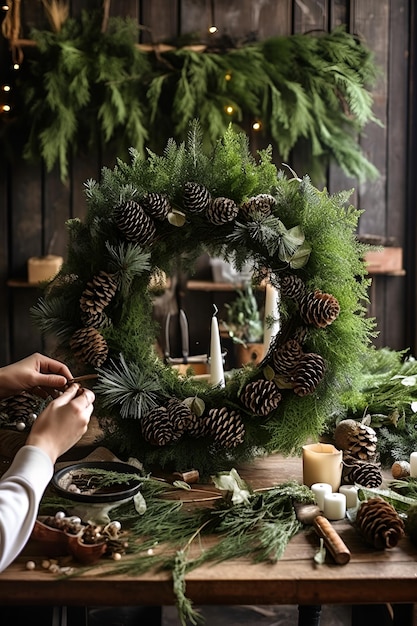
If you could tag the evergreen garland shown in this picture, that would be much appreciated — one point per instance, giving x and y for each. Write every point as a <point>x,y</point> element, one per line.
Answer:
<point>82,87</point>
<point>133,380</point>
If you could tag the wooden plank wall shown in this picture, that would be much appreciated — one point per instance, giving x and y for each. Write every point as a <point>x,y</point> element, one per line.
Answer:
<point>34,205</point>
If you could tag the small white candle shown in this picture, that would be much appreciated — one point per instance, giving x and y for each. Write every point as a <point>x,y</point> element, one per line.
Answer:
<point>271,311</point>
<point>320,490</point>
<point>216,358</point>
<point>413,465</point>
<point>334,506</point>
<point>351,493</point>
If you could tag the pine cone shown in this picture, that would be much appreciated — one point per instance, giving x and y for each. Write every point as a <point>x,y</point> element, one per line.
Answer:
<point>319,309</point>
<point>221,211</point>
<point>225,426</point>
<point>292,287</point>
<point>196,426</point>
<point>361,473</point>
<point>261,397</point>
<point>263,203</point>
<point>96,319</point>
<point>98,293</point>
<point>359,440</point>
<point>308,373</point>
<point>157,427</point>
<point>179,415</point>
<point>89,346</point>
<point>196,198</point>
<point>23,407</point>
<point>134,223</point>
<point>156,205</point>
<point>379,523</point>
<point>286,357</point>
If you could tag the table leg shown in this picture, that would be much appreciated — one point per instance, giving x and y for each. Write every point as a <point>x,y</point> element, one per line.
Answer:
<point>309,615</point>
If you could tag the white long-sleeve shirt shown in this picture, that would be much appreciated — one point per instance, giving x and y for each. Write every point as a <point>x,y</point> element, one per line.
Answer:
<point>21,489</point>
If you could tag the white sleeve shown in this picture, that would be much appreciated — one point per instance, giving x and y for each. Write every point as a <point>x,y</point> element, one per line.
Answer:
<point>21,489</point>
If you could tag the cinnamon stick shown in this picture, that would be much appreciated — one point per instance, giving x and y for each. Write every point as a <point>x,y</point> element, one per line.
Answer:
<point>332,540</point>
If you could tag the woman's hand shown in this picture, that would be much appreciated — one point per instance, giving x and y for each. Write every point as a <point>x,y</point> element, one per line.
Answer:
<point>38,373</point>
<point>63,422</point>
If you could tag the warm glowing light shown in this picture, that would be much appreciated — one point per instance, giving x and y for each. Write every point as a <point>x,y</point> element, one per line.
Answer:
<point>228,76</point>
<point>5,108</point>
<point>229,110</point>
<point>257,125</point>
<point>4,7</point>
<point>16,66</point>
<point>6,87</point>
<point>213,29</point>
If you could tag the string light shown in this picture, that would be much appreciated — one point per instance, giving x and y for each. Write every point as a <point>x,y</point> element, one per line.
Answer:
<point>229,109</point>
<point>4,7</point>
<point>228,76</point>
<point>257,125</point>
<point>16,66</point>
<point>212,29</point>
<point>5,108</point>
<point>5,87</point>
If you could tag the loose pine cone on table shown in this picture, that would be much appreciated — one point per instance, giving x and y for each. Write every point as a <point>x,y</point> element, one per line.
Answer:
<point>379,523</point>
<point>261,397</point>
<point>225,426</point>
<point>361,473</point>
<point>319,309</point>
<point>357,439</point>
<point>21,408</point>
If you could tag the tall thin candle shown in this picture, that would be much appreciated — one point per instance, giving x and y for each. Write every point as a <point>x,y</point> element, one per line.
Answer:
<point>216,359</point>
<point>271,313</point>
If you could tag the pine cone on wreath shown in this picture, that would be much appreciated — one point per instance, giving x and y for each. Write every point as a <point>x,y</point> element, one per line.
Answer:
<point>98,293</point>
<point>286,357</point>
<point>157,427</point>
<point>261,397</point>
<point>97,319</point>
<point>379,523</point>
<point>179,414</point>
<point>361,473</point>
<point>157,205</point>
<point>319,309</point>
<point>225,426</point>
<point>196,426</point>
<point>357,439</point>
<point>292,287</point>
<point>221,211</point>
<point>262,204</point>
<point>134,223</point>
<point>89,346</point>
<point>308,373</point>
<point>196,197</point>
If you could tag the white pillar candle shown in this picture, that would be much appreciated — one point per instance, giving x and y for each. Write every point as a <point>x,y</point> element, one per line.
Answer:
<point>413,465</point>
<point>216,358</point>
<point>322,463</point>
<point>351,493</point>
<point>271,311</point>
<point>320,490</point>
<point>334,506</point>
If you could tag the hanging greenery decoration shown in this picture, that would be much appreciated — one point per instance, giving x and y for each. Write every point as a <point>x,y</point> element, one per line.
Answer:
<point>83,84</point>
<point>146,217</point>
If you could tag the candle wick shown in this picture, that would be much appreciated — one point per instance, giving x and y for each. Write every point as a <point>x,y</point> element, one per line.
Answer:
<point>216,310</point>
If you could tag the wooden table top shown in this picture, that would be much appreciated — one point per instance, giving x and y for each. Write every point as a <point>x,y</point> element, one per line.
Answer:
<point>371,576</point>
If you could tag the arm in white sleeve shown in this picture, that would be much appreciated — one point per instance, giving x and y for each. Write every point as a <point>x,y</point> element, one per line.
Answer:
<point>21,489</point>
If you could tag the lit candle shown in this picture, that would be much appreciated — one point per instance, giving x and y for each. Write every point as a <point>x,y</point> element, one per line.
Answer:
<point>216,358</point>
<point>413,465</point>
<point>320,490</point>
<point>271,312</point>
<point>351,493</point>
<point>322,463</point>
<point>334,506</point>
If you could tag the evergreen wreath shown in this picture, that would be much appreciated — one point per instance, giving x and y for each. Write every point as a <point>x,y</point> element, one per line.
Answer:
<point>145,217</point>
<point>85,84</point>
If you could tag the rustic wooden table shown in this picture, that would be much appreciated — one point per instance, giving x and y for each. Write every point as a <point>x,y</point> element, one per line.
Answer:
<point>371,576</point>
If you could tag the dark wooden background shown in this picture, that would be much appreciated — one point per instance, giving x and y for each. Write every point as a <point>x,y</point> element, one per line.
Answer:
<point>34,205</point>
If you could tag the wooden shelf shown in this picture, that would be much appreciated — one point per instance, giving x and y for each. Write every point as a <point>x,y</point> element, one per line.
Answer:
<point>20,283</point>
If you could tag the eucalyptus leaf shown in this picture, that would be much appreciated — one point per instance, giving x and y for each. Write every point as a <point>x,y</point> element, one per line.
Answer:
<point>139,503</point>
